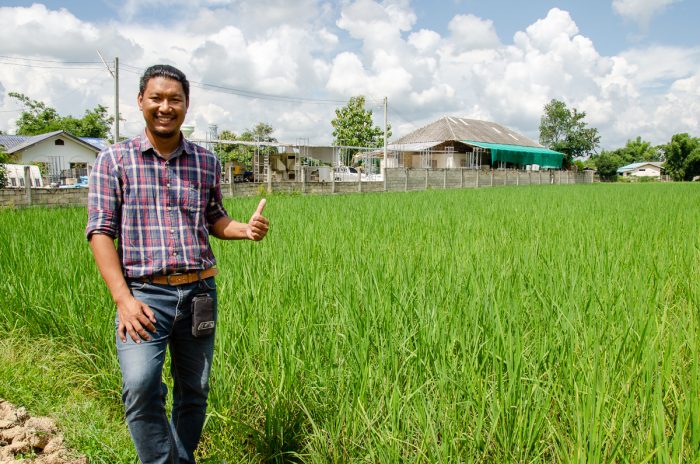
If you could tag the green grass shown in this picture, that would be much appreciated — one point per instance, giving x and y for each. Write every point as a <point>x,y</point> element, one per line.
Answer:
<point>528,324</point>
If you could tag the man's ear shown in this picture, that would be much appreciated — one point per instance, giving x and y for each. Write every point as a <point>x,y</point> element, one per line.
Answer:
<point>139,100</point>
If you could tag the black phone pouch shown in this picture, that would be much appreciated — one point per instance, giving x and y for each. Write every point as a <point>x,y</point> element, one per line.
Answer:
<point>203,322</point>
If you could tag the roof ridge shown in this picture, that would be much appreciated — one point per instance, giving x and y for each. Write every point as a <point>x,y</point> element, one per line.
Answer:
<point>448,118</point>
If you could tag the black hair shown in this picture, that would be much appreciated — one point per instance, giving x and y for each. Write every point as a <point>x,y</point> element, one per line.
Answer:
<point>165,70</point>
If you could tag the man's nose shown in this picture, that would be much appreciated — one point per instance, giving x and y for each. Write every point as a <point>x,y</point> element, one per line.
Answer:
<point>164,106</point>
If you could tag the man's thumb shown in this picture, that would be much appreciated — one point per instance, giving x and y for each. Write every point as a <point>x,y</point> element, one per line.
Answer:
<point>261,206</point>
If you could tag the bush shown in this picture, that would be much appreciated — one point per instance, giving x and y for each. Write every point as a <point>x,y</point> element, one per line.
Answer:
<point>3,176</point>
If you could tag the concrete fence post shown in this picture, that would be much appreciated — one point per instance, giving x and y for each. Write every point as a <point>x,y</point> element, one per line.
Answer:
<point>477,178</point>
<point>27,186</point>
<point>229,174</point>
<point>359,181</point>
<point>505,178</point>
<point>405,180</point>
<point>444,178</point>
<point>426,178</point>
<point>517,178</point>
<point>491,178</point>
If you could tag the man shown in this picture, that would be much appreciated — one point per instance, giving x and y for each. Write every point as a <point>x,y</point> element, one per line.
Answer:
<point>158,195</point>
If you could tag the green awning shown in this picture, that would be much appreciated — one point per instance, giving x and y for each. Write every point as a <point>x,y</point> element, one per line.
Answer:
<point>518,154</point>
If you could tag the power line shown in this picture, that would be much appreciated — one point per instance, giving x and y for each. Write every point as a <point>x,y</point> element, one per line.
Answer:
<point>29,65</point>
<point>258,95</point>
<point>48,61</point>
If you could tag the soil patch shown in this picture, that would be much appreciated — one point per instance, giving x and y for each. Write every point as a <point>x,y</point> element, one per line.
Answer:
<point>31,439</point>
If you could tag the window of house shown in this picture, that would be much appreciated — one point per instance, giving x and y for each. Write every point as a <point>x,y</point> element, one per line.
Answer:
<point>13,181</point>
<point>21,181</point>
<point>58,142</point>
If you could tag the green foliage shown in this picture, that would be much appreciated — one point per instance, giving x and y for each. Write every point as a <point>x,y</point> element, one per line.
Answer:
<point>556,350</point>
<point>607,163</point>
<point>353,127</point>
<point>682,156</point>
<point>638,150</point>
<point>243,154</point>
<point>564,130</point>
<point>37,118</point>
<point>3,176</point>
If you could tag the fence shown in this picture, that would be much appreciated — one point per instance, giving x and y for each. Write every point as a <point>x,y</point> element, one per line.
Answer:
<point>395,180</point>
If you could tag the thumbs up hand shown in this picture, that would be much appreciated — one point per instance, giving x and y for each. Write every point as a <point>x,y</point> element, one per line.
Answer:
<point>258,224</point>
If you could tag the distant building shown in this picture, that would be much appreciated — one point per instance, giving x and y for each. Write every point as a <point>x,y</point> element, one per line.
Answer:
<point>642,169</point>
<point>452,142</point>
<point>62,155</point>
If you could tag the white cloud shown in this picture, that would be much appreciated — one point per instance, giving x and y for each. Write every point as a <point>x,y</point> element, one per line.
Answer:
<point>470,32</point>
<point>640,11</point>
<point>334,50</point>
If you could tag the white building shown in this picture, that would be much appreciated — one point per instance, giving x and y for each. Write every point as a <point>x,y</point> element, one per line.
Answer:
<point>63,155</point>
<point>642,169</point>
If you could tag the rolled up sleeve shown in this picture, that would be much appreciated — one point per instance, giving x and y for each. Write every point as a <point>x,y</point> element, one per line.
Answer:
<point>104,196</point>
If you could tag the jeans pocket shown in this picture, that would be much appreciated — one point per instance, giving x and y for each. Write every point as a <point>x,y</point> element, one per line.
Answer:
<point>208,284</point>
<point>136,285</point>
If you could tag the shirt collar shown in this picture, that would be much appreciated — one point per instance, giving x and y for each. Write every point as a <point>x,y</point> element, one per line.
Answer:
<point>185,145</point>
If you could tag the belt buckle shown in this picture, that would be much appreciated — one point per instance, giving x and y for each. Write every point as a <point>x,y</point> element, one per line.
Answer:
<point>167,278</point>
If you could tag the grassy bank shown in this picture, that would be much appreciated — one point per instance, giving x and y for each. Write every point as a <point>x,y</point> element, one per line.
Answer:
<point>543,323</point>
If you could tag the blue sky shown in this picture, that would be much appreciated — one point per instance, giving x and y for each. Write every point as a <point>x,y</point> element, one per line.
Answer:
<point>632,65</point>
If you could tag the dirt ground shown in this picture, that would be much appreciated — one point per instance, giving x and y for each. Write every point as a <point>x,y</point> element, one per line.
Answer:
<point>31,439</point>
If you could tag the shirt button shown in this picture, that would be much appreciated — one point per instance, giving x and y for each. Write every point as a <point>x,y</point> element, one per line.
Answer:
<point>168,185</point>
<point>172,231</point>
<point>174,253</point>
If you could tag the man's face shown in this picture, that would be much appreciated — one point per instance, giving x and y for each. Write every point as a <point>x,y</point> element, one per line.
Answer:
<point>164,106</point>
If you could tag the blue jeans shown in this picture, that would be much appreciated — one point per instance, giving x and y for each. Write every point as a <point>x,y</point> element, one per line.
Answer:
<point>158,440</point>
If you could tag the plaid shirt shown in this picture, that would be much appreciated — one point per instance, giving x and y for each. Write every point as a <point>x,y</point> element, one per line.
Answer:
<point>160,211</point>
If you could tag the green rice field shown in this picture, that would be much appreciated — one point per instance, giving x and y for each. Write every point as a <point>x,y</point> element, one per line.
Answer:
<point>515,324</point>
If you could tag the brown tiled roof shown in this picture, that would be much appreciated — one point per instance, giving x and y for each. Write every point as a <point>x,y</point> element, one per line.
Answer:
<point>454,128</point>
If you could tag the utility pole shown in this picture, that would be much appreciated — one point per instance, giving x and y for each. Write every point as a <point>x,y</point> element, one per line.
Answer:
<point>116,99</point>
<point>115,75</point>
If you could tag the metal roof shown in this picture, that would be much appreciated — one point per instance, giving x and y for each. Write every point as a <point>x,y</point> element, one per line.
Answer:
<point>10,141</point>
<point>458,129</point>
<point>28,140</point>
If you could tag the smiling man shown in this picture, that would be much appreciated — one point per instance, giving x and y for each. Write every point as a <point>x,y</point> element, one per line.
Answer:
<point>159,196</point>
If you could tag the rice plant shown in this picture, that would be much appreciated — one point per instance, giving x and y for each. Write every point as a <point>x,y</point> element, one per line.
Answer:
<point>528,324</point>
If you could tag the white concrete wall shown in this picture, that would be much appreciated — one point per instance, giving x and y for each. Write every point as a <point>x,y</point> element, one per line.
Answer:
<point>649,170</point>
<point>69,152</point>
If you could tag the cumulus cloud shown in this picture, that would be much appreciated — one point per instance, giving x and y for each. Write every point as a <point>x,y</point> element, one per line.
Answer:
<point>470,32</point>
<point>640,11</point>
<point>334,50</point>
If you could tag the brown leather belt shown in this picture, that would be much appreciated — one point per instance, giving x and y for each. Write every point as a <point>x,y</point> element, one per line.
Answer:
<point>180,279</point>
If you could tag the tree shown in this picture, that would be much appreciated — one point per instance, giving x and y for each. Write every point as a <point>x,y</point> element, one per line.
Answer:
<point>353,127</point>
<point>638,150</point>
<point>607,163</point>
<point>37,118</point>
<point>224,150</point>
<point>682,157</point>
<point>243,154</point>
<point>565,131</point>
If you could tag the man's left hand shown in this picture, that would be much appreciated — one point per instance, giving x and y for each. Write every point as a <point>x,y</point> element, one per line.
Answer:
<point>258,224</point>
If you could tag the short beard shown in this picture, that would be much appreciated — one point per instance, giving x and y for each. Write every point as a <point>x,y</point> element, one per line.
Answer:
<point>164,134</point>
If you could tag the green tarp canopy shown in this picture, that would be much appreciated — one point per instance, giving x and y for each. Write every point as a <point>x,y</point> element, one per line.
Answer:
<point>518,154</point>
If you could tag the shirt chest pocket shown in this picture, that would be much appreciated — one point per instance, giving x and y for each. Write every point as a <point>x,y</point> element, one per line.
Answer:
<point>190,196</point>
